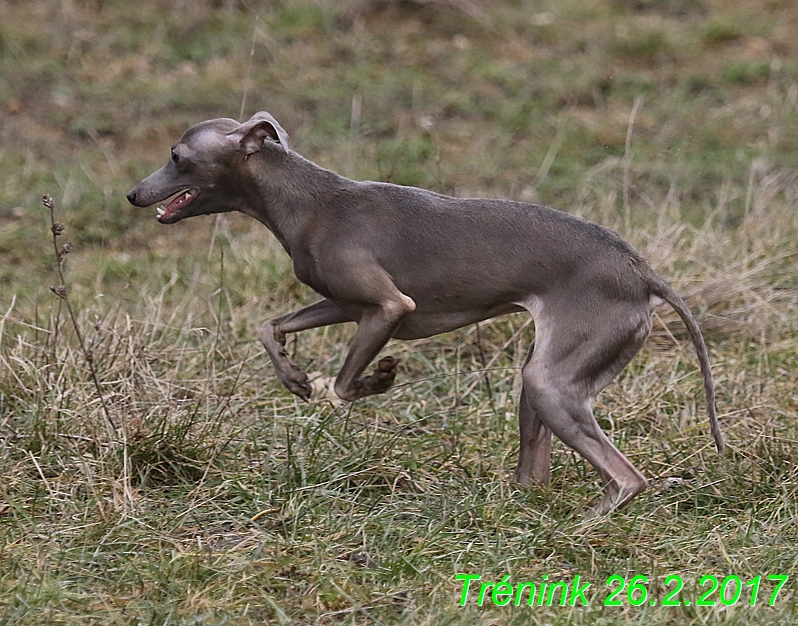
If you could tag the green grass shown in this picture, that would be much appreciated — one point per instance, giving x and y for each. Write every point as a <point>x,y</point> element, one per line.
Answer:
<point>219,498</point>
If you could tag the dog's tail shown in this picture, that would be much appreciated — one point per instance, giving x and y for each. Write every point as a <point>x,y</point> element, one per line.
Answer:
<point>661,289</point>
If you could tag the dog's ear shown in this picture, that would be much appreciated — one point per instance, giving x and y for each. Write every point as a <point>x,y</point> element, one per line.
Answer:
<point>261,127</point>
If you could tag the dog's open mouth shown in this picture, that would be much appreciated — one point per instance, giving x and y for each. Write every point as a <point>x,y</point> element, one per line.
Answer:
<point>175,210</point>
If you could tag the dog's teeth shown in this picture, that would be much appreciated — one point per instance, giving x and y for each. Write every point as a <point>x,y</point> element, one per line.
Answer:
<point>161,211</point>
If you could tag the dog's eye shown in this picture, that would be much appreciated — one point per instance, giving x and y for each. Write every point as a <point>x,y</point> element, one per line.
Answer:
<point>175,156</point>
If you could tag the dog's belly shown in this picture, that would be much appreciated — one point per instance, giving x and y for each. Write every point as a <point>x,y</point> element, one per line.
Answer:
<point>423,323</point>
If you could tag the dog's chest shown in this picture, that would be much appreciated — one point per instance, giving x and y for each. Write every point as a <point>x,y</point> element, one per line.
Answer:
<point>307,269</point>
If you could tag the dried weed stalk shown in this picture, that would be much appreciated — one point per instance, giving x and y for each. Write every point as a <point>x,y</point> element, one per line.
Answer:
<point>57,229</point>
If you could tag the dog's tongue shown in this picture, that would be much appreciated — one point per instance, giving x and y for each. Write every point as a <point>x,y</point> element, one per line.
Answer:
<point>177,203</point>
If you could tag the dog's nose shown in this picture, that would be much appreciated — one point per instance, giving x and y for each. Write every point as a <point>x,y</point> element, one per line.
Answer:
<point>131,196</point>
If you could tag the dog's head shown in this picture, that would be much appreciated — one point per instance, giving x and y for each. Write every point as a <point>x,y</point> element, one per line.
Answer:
<point>202,175</point>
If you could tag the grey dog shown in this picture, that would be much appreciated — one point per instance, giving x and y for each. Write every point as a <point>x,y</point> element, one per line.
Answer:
<point>406,263</point>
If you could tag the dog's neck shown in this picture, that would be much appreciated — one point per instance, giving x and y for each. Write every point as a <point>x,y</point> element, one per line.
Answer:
<point>289,195</point>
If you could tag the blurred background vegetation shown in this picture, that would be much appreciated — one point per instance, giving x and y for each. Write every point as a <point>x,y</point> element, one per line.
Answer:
<point>520,99</point>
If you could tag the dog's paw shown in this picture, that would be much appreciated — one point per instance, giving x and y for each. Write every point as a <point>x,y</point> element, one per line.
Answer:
<point>386,368</point>
<point>296,381</point>
<point>384,374</point>
<point>382,378</point>
<point>303,390</point>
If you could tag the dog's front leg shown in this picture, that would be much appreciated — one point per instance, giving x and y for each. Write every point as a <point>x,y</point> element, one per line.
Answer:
<point>272,336</point>
<point>376,326</point>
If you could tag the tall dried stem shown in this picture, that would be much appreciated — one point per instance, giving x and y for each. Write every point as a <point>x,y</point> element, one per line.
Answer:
<point>57,229</point>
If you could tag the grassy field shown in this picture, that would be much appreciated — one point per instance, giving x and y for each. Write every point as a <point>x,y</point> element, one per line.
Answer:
<point>194,489</point>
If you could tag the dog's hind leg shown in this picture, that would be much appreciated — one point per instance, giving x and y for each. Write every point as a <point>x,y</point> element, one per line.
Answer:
<point>534,453</point>
<point>575,358</point>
